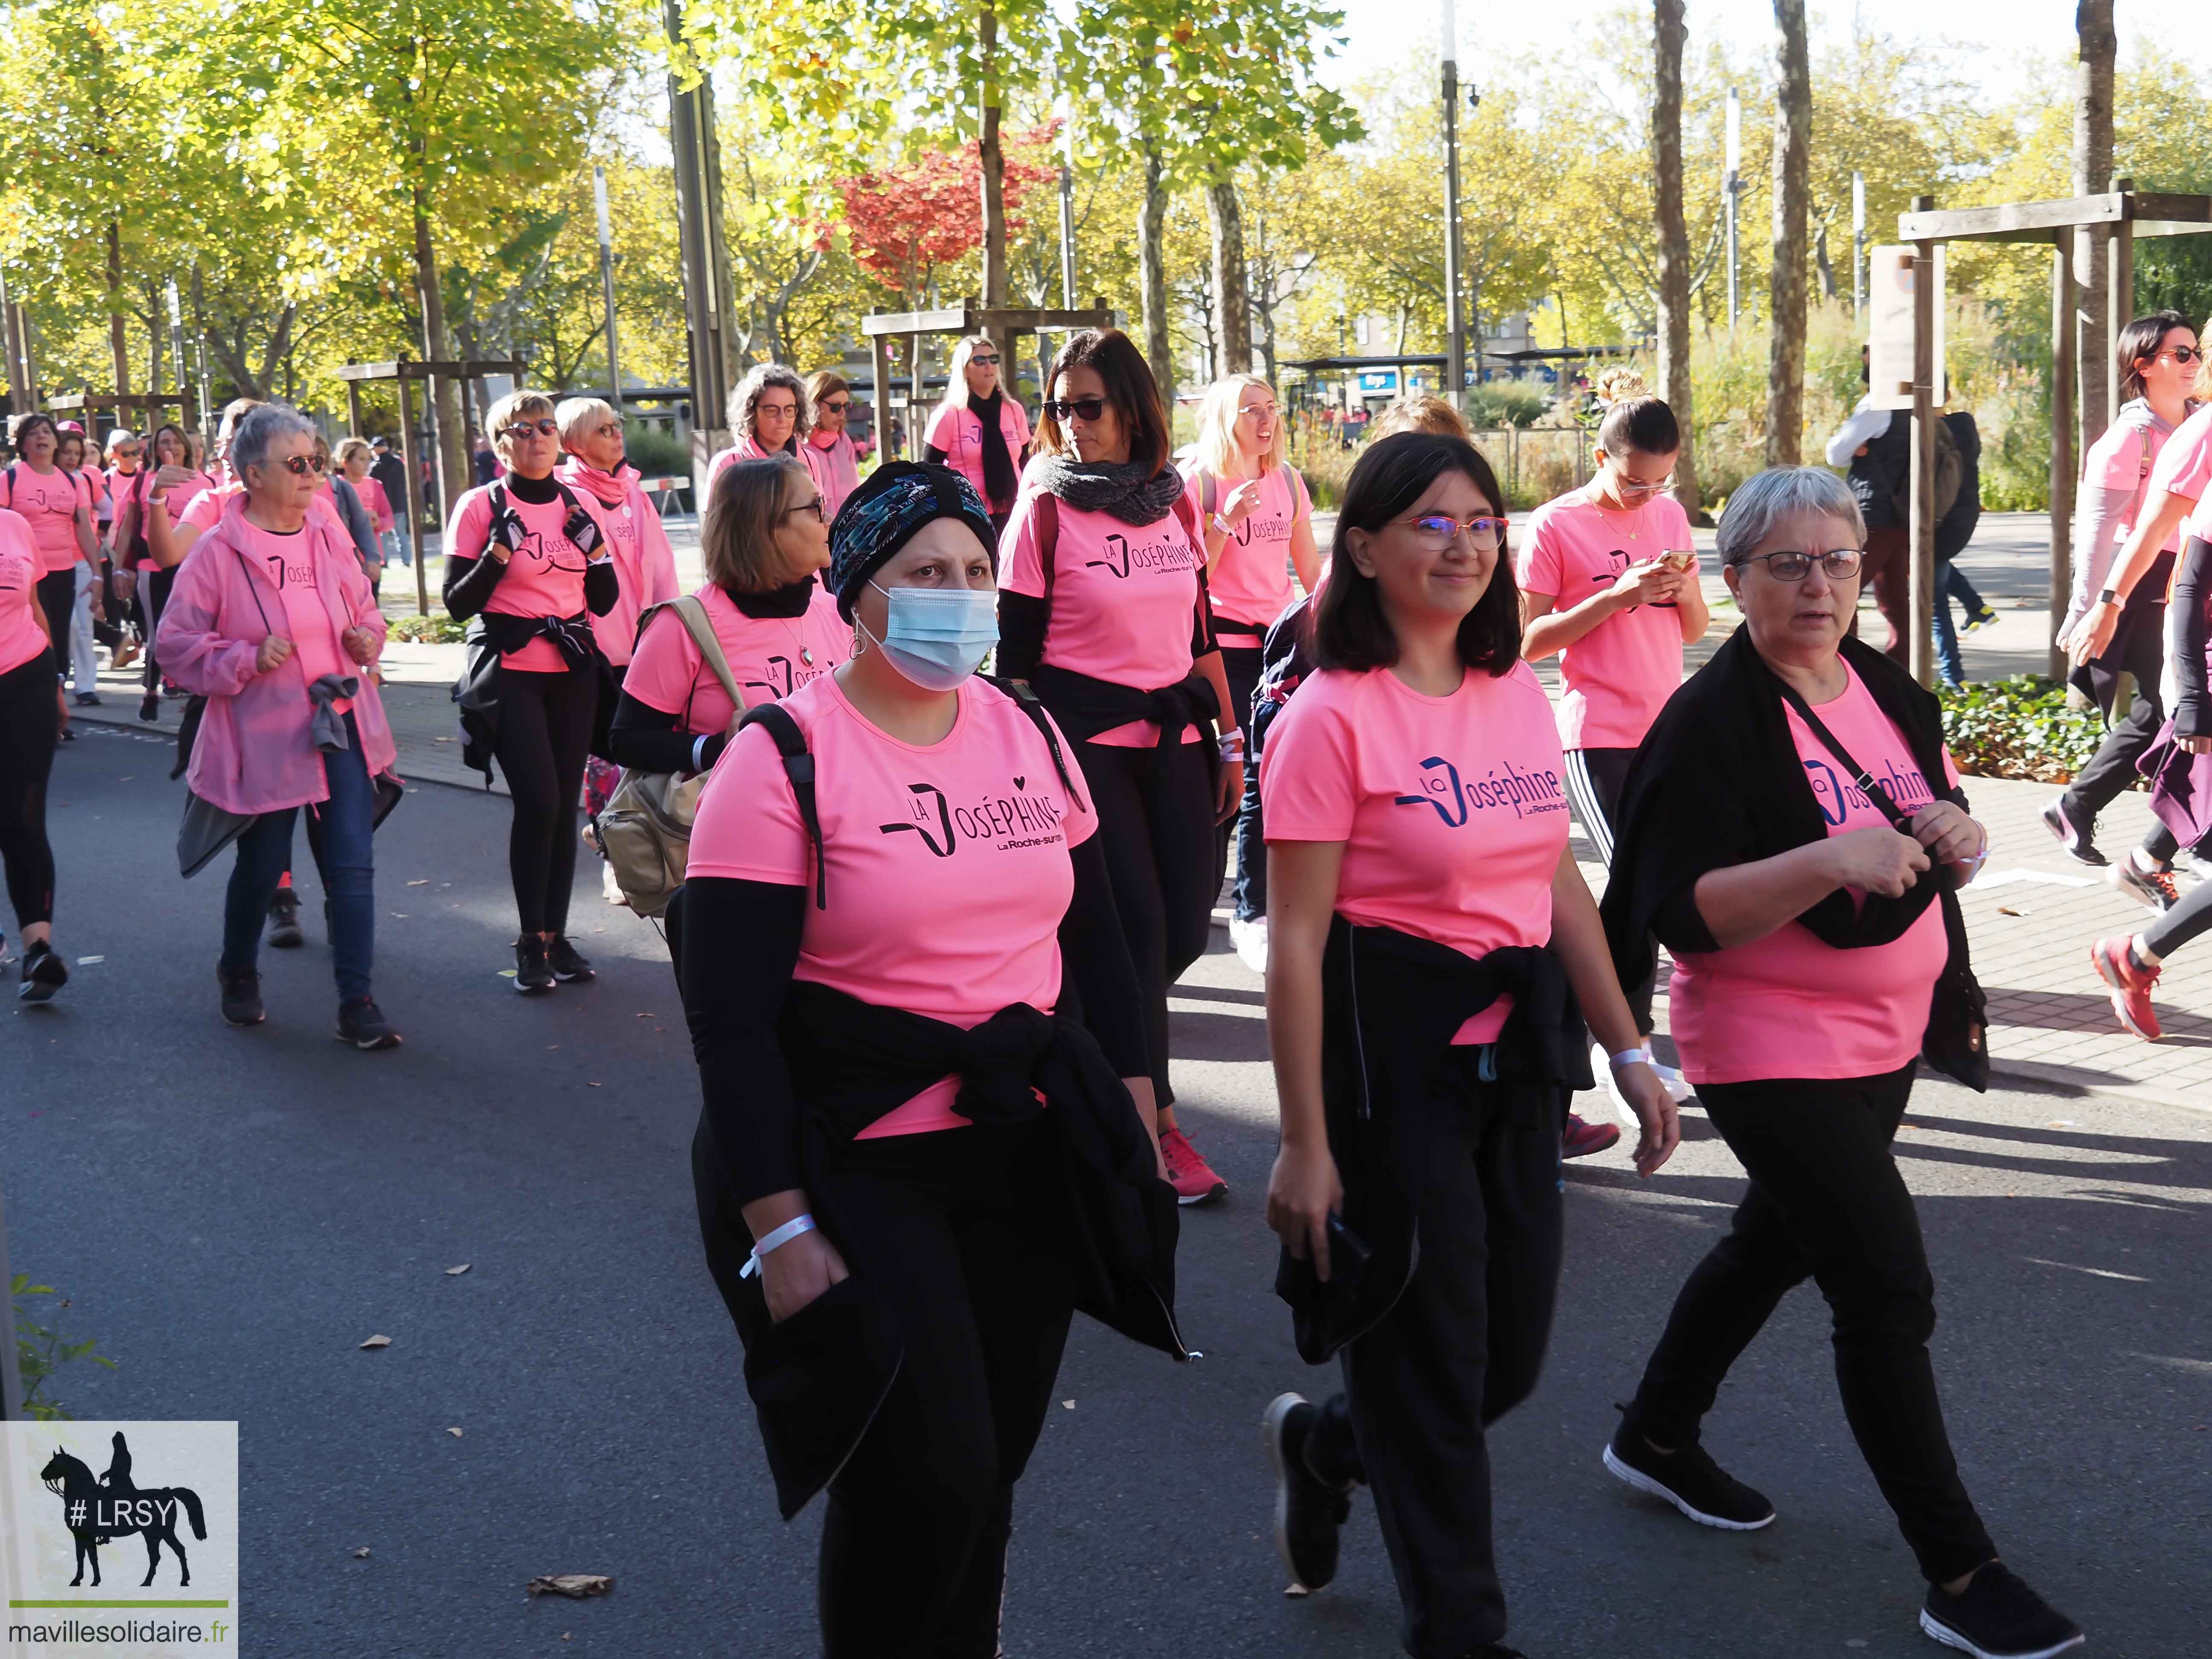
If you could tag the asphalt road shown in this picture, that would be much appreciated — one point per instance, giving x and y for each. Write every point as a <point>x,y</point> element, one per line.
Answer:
<point>233,1212</point>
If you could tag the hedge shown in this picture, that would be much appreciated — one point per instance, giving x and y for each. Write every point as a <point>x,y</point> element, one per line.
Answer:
<point>2019,728</point>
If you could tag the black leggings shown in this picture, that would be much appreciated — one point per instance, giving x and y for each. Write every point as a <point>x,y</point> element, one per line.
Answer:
<point>544,732</point>
<point>2185,921</point>
<point>58,598</point>
<point>2138,650</point>
<point>1593,779</point>
<point>153,585</point>
<point>1156,825</point>
<point>1243,664</point>
<point>914,1538</point>
<point>30,725</point>
<point>1826,1202</point>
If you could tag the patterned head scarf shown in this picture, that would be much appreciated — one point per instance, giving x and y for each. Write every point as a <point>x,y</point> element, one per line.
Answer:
<point>880,518</point>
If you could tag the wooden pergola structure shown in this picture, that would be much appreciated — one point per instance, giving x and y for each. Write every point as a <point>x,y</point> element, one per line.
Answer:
<point>405,371</point>
<point>1000,322</point>
<point>123,403</point>
<point>2124,211</point>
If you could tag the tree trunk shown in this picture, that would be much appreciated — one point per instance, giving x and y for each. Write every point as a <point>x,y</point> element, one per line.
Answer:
<point>1669,34</point>
<point>1826,271</point>
<point>1232,301</point>
<point>993,168</point>
<point>1152,277</point>
<point>2093,173</point>
<point>1793,139</point>
<point>449,442</point>
<point>117,344</point>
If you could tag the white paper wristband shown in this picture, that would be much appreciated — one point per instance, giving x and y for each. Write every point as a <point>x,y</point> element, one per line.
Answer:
<point>1628,1057</point>
<point>775,1240</point>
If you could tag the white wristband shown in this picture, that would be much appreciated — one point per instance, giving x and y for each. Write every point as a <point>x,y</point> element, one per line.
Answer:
<point>699,744</point>
<point>1627,1057</point>
<point>775,1240</point>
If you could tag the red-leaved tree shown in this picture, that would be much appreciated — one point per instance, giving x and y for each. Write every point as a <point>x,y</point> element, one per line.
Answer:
<point>909,221</point>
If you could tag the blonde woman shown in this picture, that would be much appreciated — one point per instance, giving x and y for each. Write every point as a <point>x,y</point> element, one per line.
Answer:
<point>978,431</point>
<point>835,461</point>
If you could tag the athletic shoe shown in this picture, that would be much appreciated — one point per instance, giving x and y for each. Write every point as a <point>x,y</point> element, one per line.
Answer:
<point>1688,1479</point>
<point>44,973</point>
<point>1982,618</point>
<point>1191,1176</point>
<point>2077,832</point>
<point>2154,889</point>
<point>2114,959</point>
<point>567,961</point>
<point>1998,1617</point>
<point>363,1025</point>
<point>86,699</point>
<point>150,706</point>
<point>1308,1510</point>
<point>241,995</point>
<point>533,973</point>
<point>1582,1137</point>
<point>284,920</point>
<point>1249,941</point>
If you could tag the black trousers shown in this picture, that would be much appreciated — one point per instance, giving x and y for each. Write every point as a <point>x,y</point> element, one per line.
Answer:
<point>2138,649</point>
<point>544,732</point>
<point>1242,663</point>
<point>1462,1347</point>
<point>1593,779</point>
<point>153,585</point>
<point>58,598</point>
<point>1155,810</point>
<point>914,1540</point>
<point>1825,1201</point>
<point>30,725</point>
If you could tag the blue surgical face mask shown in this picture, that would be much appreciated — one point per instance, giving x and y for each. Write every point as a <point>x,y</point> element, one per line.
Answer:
<point>936,637</point>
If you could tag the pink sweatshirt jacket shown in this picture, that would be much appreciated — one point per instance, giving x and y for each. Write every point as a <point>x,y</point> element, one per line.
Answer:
<point>645,564</point>
<point>254,752</point>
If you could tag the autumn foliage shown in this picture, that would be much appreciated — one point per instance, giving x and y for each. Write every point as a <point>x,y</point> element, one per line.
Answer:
<point>908,221</point>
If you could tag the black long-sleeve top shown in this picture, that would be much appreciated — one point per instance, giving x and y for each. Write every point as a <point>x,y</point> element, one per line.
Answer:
<point>2192,587</point>
<point>653,739</point>
<point>470,580</point>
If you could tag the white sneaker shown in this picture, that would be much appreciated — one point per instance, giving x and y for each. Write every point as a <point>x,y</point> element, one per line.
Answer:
<point>609,889</point>
<point>1249,940</point>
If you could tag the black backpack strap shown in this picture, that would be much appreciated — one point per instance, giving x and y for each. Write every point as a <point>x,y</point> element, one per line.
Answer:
<point>799,767</point>
<point>1030,704</point>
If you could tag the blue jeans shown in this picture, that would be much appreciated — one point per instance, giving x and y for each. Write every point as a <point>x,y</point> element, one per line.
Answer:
<point>265,852</point>
<point>1949,661</point>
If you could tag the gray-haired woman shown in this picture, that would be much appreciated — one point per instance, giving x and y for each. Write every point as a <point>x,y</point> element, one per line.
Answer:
<point>770,415</point>
<point>1808,942</point>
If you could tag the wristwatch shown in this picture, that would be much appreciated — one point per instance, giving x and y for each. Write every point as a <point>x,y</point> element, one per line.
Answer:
<point>2110,596</point>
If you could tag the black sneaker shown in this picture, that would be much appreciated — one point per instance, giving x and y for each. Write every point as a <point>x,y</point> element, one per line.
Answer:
<point>1308,1510</point>
<point>150,706</point>
<point>284,920</point>
<point>2155,890</point>
<point>87,700</point>
<point>568,962</point>
<point>363,1025</point>
<point>533,973</point>
<point>2076,831</point>
<point>1689,1480</point>
<point>241,995</point>
<point>1998,1617</point>
<point>44,973</point>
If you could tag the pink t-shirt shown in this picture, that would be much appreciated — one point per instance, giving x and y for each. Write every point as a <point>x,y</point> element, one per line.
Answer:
<point>1618,675</point>
<point>745,449</point>
<point>378,503</point>
<point>2184,467</point>
<point>769,657</point>
<point>545,576</point>
<point>114,484</point>
<point>2124,459</point>
<point>48,504</point>
<point>1789,1006</point>
<point>1250,582</point>
<point>204,510</point>
<point>22,638</point>
<point>307,621</point>
<point>948,863</point>
<point>1128,602</point>
<point>836,468</point>
<point>958,431</point>
<point>1452,809</point>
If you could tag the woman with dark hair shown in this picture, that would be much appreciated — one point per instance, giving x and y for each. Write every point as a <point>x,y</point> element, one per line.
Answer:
<point>1791,831</point>
<point>33,712</point>
<point>1609,581</point>
<point>835,462</point>
<point>89,611</point>
<point>900,1232</point>
<point>770,415</point>
<point>1104,610</point>
<point>527,559</point>
<point>2161,362</point>
<point>1434,956</point>
<point>978,430</point>
<point>48,500</point>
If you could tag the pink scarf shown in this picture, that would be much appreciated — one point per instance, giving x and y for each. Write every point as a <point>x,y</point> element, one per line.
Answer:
<point>610,487</point>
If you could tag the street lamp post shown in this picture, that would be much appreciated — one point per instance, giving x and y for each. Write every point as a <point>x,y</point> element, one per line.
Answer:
<point>1859,244</point>
<point>1455,322</point>
<point>607,282</point>
<point>1067,209</point>
<point>1733,185</point>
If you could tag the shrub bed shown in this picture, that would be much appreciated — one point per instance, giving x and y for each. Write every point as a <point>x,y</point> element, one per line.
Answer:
<point>2019,728</point>
<point>436,629</point>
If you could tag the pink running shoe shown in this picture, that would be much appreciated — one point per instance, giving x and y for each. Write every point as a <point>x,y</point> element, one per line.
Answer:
<point>1191,1176</point>
<point>1583,1138</point>
<point>2116,965</point>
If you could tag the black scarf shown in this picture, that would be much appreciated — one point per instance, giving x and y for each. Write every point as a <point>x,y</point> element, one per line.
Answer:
<point>999,483</point>
<point>1718,782</point>
<point>787,601</point>
<point>1120,488</point>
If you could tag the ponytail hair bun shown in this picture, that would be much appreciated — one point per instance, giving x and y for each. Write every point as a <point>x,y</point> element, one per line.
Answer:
<point>1634,419</point>
<point>1619,385</point>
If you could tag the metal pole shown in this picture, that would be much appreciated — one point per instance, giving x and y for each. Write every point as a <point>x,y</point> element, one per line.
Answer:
<point>177,351</point>
<point>1455,319</point>
<point>1858,244</point>
<point>2062,302</point>
<point>1921,647</point>
<point>2119,286</point>
<point>1067,209</point>
<point>607,281</point>
<point>411,458</point>
<point>1734,187</point>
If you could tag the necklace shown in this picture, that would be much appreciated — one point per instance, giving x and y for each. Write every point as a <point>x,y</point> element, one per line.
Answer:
<point>1635,515</point>
<point>798,642</point>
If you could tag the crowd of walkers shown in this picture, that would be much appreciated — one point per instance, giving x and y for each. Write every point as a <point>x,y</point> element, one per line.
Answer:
<point>927,921</point>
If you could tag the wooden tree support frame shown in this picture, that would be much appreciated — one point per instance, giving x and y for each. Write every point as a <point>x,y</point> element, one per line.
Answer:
<point>2128,213</point>
<point>123,403</point>
<point>405,371</point>
<point>1000,322</point>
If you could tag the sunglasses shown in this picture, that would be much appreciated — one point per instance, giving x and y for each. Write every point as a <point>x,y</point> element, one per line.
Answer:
<point>546,427</point>
<point>991,362</point>
<point>1436,531</point>
<point>836,405</point>
<point>1083,409</point>
<point>2183,355</point>
<point>301,465</point>
<point>1628,486</point>
<point>1838,565</point>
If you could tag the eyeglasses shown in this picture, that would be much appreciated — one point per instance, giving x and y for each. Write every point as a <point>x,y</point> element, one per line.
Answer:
<point>1265,411</point>
<point>2185,355</point>
<point>1083,409</point>
<point>1629,487</point>
<point>991,362</point>
<point>607,429</point>
<point>1838,566</point>
<point>834,405</point>
<point>818,506</point>
<point>779,411</point>
<point>546,427</point>
<point>1436,531</point>
<point>301,465</point>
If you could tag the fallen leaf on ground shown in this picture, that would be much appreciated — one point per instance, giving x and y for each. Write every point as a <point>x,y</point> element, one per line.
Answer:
<point>463,1268</point>
<point>1068,1405</point>
<point>425,882</point>
<point>591,1085</point>
<point>575,1584</point>
<point>456,1433</point>
<point>504,973</point>
<point>362,1554</point>
<point>82,962</point>
<point>1296,1589</point>
<point>2007,910</point>
<point>378,1342</point>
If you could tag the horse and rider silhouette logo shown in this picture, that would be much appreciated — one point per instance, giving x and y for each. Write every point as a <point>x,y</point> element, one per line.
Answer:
<point>98,1510</point>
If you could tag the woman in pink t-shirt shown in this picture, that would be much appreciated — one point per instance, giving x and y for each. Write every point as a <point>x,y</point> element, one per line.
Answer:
<point>272,621</point>
<point>164,483</point>
<point>595,460</point>
<point>899,1137</point>
<point>1103,609</point>
<point>33,714</point>
<point>1756,839</point>
<point>835,462</point>
<point>528,559</point>
<point>48,500</point>
<point>978,430</point>
<point>770,415</point>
